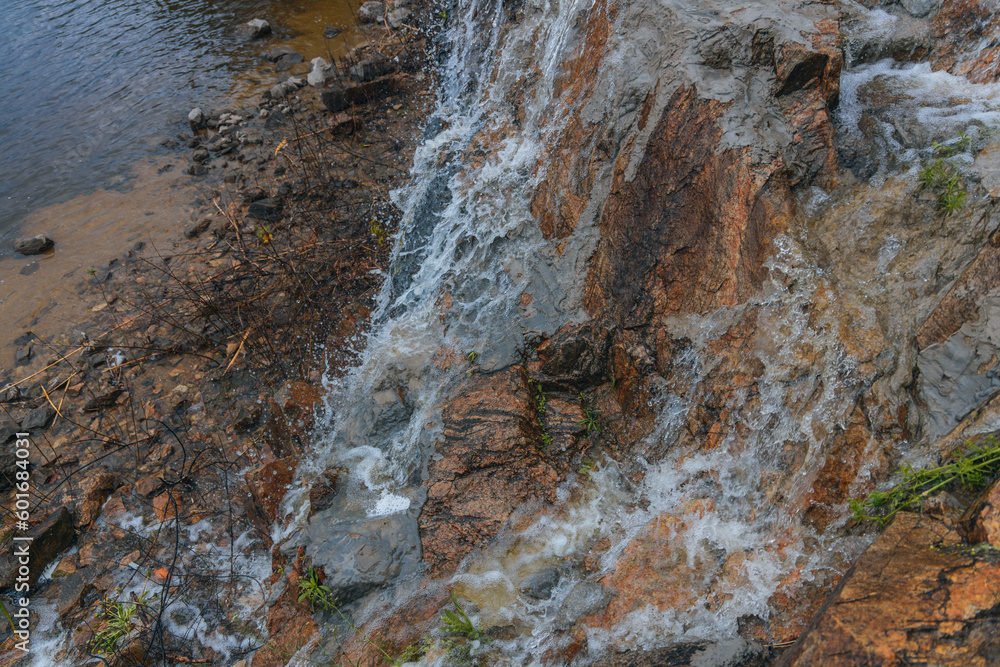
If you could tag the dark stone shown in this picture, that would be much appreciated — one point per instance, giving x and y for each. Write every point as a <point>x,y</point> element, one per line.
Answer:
<point>323,491</point>
<point>363,555</point>
<point>197,169</point>
<point>337,98</point>
<point>275,120</point>
<point>370,68</point>
<point>33,245</point>
<point>251,30</point>
<point>8,428</point>
<point>253,194</point>
<point>197,228</point>
<point>10,395</point>
<point>371,12</point>
<point>103,402</point>
<point>49,538</point>
<point>540,584</point>
<point>278,52</point>
<point>574,353</point>
<point>330,32</point>
<point>287,61</point>
<point>38,418</point>
<point>200,155</point>
<point>23,355</point>
<point>30,269</point>
<point>268,210</point>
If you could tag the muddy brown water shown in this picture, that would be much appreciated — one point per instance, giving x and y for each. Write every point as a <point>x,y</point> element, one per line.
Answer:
<point>91,87</point>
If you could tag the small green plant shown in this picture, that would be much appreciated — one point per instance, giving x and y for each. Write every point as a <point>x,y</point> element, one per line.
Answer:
<point>118,622</point>
<point>458,623</point>
<point>414,652</point>
<point>586,467</point>
<point>946,183</point>
<point>546,440</point>
<point>972,470</point>
<point>960,145</point>
<point>539,395</point>
<point>472,356</point>
<point>590,421</point>
<point>311,589</point>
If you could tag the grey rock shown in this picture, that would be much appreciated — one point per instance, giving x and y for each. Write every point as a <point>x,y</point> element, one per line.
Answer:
<point>8,429</point>
<point>320,73</point>
<point>287,61</point>
<point>363,555</point>
<point>196,117</point>
<point>281,90</point>
<point>194,230</point>
<point>331,31</point>
<point>397,17</point>
<point>585,598</point>
<point>200,155</point>
<point>920,8</point>
<point>10,395</point>
<point>23,355</point>
<point>267,210</point>
<point>277,53</point>
<point>958,375</point>
<point>33,245</point>
<point>197,169</point>
<point>540,584</point>
<point>371,12</point>
<point>252,29</point>
<point>370,68</point>
<point>38,418</point>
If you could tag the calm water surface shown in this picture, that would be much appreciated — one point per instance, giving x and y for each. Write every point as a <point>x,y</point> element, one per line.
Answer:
<point>90,84</point>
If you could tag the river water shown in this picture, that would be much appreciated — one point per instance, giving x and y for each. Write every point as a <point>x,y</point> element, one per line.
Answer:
<point>91,84</point>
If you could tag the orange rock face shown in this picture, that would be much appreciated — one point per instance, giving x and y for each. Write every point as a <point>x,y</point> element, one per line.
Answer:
<point>692,230</point>
<point>491,463</point>
<point>961,24</point>
<point>912,598</point>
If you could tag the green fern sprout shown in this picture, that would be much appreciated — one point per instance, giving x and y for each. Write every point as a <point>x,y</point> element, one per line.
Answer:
<point>458,622</point>
<point>972,470</point>
<point>316,593</point>
<point>590,421</point>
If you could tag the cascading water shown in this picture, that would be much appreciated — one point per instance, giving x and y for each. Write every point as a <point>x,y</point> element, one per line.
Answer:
<point>720,525</point>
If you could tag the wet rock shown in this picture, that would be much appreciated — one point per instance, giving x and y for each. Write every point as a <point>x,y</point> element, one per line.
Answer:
<point>33,245</point>
<point>8,429</point>
<point>982,518</point>
<point>330,32</point>
<point>197,169</point>
<point>398,17</point>
<point>370,68</point>
<point>200,155</point>
<point>324,490</point>
<point>339,98</point>
<point>283,89</point>
<point>10,394</point>
<point>195,229</point>
<point>320,74</point>
<point>975,59</point>
<point>298,402</point>
<point>267,486</point>
<point>585,598</point>
<point>196,117</point>
<point>914,597</point>
<point>732,653</point>
<point>266,210</point>
<point>371,12</point>
<point>575,354</point>
<point>38,418</point>
<point>168,505</point>
<point>279,52</point>
<point>289,627</point>
<point>73,591</point>
<point>104,401</point>
<point>23,355</point>
<point>490,464</point>
<point>360,556</point>
<point>540,584</point>
<point>647,221</point>
<point>920,8</point>
<point>49,538</point>
<point>288,61</point>
<point>252,29</point>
